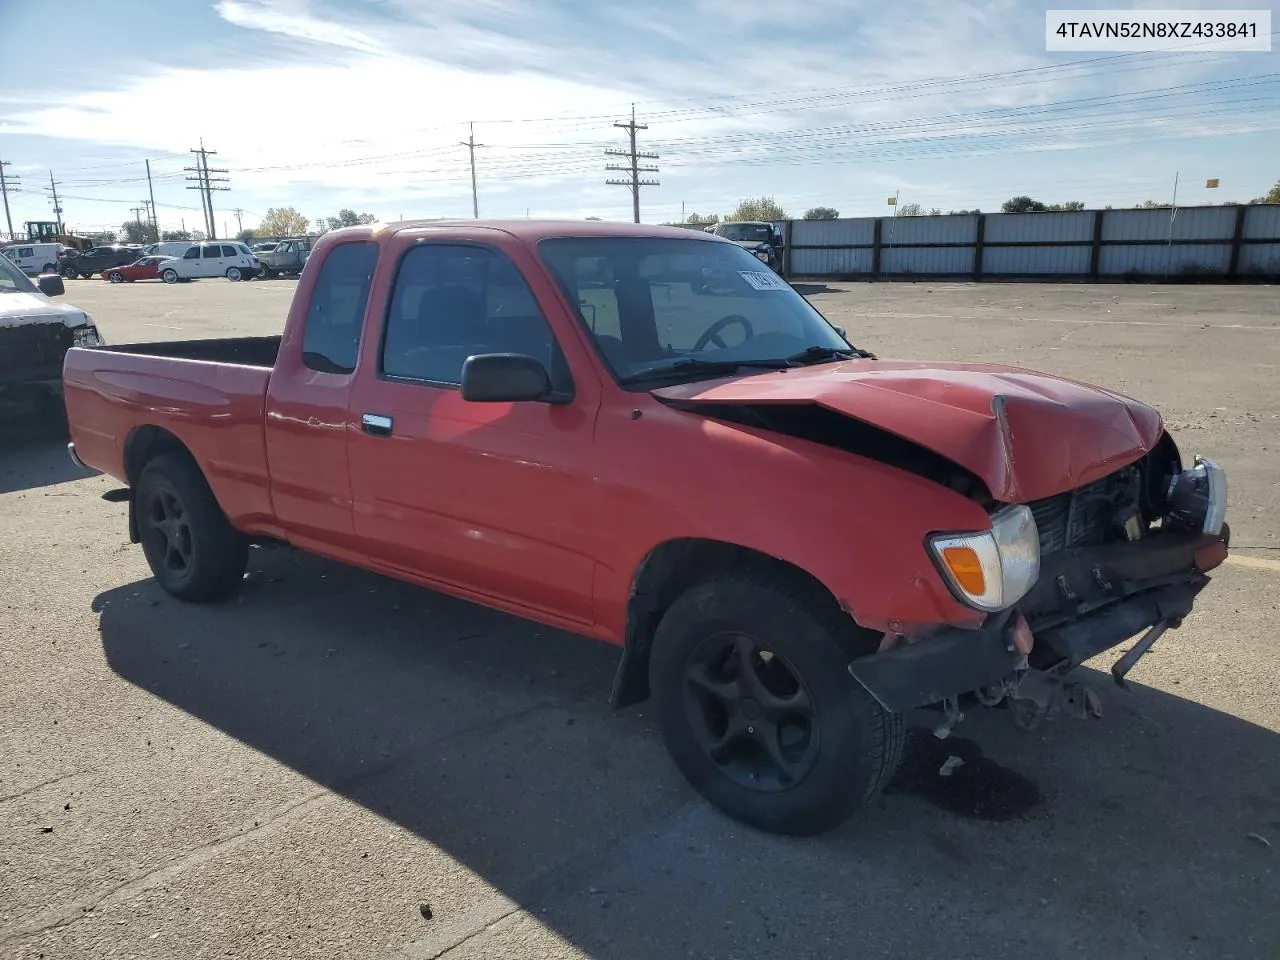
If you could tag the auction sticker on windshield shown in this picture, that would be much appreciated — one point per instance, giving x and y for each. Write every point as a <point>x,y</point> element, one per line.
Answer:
<point>763,281</point>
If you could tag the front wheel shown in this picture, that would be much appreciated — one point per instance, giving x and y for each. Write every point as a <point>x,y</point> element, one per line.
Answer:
<point>69,273</point>
<point>756,705</point>
<point>233,274</point>
<point>169,276</point>
<point>188,541</point>
<point>115,276</point>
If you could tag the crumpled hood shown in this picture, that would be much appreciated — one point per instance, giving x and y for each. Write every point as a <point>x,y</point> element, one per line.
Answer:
<point>1027,435</point>
<point>19,309</point>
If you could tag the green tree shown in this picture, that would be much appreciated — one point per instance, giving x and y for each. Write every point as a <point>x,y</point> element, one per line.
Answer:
<point>758,208</point>
<point>963,213</point>
<point>1022,205</point>
<point>698,219</point>
<point>1152,205</point>
<point>247,236</point>
<point>349,218</point>
<point>1271,196</point>
<point>822,213</point>
<point>135,232</point>
<point>911,210</point>
<point>282,222</point>
<point>176,235</point>
<point>1070,205</point>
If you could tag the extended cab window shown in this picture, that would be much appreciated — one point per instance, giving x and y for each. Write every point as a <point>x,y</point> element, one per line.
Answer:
<point>451,302</point>
<point>331,337</point>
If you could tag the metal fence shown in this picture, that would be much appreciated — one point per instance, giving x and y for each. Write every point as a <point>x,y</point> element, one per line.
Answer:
<point>1202,243</point>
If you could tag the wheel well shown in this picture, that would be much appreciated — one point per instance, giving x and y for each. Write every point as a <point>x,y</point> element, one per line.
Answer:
<point>668,571</point>
<point>144,444</point>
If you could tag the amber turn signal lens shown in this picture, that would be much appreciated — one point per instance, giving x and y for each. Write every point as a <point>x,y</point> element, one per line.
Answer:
<point>966,569</point>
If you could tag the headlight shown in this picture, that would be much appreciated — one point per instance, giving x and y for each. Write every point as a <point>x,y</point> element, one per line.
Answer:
<point>86,336</point>
<point>1198,497</point>
<point>994,569</point>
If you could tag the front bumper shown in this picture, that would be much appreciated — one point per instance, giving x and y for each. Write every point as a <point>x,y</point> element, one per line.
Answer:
<point>1087,600</point>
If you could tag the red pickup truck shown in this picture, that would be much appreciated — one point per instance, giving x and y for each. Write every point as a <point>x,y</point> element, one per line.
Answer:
<point>645,435</point>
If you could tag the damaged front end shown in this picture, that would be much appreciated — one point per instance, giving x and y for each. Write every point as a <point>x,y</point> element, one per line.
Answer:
<point>1121,556</point>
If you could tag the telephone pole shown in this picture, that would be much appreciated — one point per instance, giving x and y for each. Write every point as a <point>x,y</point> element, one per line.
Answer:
<point>151,194</point>
<point>137,218</point>
<point>5,183</point>
<point>470,144</point>
<point>205,181</point>
<point>57,207</point>
<point>634,168</point>
<point>239,219</point>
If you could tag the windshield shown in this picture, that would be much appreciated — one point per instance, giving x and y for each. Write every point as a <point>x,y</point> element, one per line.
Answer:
<point>663,308</point>
<point>13,280</point>
<point>757,232</point>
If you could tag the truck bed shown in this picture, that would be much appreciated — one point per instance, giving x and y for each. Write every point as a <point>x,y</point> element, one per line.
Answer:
<point>243,351</point>
<point>208,394</point>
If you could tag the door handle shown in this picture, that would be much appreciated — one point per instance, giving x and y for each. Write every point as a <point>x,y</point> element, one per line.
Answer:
<point>375,424</point>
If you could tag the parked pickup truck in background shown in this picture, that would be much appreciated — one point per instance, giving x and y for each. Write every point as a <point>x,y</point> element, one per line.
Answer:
<point>645,435</point>
<point>35,334</point>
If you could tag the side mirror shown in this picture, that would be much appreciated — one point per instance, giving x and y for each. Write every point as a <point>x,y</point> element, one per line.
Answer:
<point>840,330</point>
<point>504,378</point>
<point>51,285</point>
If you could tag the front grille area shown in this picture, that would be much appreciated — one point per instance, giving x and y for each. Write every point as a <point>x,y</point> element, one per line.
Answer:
<point>1089,515</point>
<point>33,350</point>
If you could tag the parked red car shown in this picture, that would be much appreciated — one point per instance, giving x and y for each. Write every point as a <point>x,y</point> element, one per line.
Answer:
<point>148,268</point>
<point>646,435</point>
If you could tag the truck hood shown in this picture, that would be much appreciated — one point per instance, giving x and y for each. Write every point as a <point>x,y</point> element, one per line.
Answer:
<point>1027,435</point>
<point>750,244</point>
<point>19,309</point>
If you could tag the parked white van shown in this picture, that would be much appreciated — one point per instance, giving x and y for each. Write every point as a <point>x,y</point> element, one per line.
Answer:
<point>231,260</point>
<point>34,259</point>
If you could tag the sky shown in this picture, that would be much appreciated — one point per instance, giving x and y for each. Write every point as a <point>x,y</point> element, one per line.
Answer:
<point>364,104</point>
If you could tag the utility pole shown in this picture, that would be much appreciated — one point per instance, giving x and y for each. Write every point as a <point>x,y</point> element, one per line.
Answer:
<point>5,183</point>
<point>239,219</point>
<point>470,144</point>
<point>151,194</point>
<point>57,208</point>
<point>137,218</point>
<point>205,181</point>
<point>634,168</point>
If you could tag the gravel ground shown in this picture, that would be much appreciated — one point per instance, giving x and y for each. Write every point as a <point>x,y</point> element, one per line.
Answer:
<point>299,773</point>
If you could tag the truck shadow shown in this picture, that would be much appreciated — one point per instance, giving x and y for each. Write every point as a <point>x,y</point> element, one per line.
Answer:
<point>34,454</point>
<point>491,739</point>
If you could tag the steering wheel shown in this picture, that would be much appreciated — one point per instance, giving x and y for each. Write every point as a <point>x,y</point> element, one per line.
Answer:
<point>712,333</point>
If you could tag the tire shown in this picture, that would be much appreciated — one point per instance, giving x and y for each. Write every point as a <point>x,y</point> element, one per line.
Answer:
<point>169,276</point>
<point>115,276</point>
<point>234,274</point>
<point>191,547</point>
<point>48,268</point>
<point>840,758</point>
<point>86,276</point>
<point>69,273</point>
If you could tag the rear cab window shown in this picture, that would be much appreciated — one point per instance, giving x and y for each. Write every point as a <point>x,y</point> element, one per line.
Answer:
<point>335,316</point>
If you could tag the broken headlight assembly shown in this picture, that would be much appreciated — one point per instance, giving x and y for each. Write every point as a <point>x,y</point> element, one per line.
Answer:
<point>1197,497</point>
<point>993,569</point>
<point>86,336</point>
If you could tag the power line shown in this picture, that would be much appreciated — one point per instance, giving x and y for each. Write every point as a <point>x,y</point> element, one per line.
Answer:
<point>5,182</point>
<point>470,144</point>
<point>634,182</point>
<point>205,181</point>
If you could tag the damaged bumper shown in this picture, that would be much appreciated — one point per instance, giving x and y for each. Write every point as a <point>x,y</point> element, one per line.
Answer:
<point>1086,601</point>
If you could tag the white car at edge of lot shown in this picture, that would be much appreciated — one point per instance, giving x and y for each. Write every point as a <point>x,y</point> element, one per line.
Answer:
<point>225,258</point>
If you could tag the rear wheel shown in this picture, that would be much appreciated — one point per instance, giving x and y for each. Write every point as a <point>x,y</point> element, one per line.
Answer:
<point>69,273</point>
<point>169,276</point>
<point>188,541</point>
<point>233,274</point>
<point>756,706</point>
